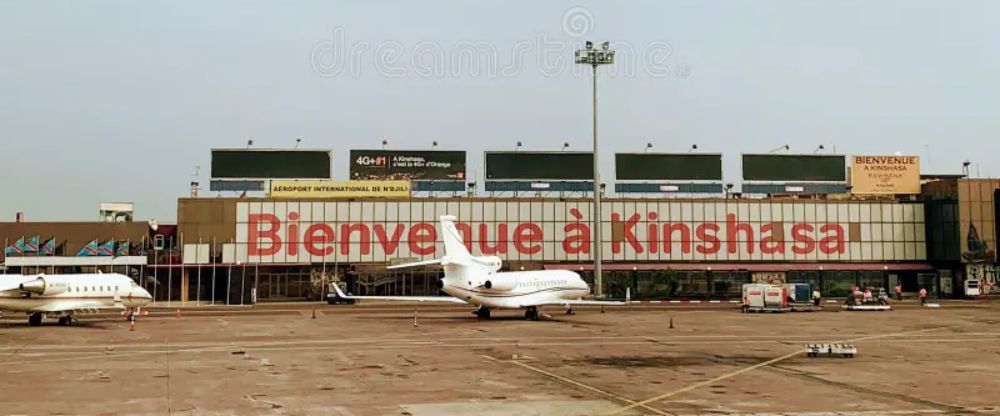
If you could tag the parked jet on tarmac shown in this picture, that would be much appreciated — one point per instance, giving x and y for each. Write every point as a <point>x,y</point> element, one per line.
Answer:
<point>38,295</point>
<point>477,281</point>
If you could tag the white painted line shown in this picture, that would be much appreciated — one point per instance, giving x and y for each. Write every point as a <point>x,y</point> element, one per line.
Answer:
<point>694,301</point>
<point>832,301</point>
<point>675,301</point>
<point>715,301</point>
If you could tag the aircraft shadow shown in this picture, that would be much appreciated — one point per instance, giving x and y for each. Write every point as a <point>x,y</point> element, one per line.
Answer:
<point>558,319</point>
<point>89,325</point>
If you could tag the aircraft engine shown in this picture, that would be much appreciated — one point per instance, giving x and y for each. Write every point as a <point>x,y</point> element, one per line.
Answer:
<point>500,283</point>
<point>40,286</point>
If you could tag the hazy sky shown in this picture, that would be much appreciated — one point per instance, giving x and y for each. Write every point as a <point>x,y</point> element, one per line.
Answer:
<point>119,101</point>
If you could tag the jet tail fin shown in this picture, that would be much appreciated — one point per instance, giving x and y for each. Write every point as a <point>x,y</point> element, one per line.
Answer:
<point>453,245</point>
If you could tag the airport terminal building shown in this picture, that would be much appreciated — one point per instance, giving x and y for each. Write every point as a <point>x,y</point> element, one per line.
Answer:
<point>291,244</point>
<point>660,248</point>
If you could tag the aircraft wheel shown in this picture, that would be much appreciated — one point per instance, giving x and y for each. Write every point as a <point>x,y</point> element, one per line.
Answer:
<point>531,314</point>
<point>483,313</point>
<point>35,319</point>
<point>62,321</point>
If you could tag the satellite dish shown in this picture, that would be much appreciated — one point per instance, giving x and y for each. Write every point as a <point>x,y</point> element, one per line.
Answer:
<point>153,225</point>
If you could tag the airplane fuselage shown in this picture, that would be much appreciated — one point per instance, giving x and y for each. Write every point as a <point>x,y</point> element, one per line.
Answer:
<point>530,288</point>
<point>94,289</point>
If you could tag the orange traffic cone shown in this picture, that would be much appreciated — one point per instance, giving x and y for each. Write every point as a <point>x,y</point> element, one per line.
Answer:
<point>178,313</point>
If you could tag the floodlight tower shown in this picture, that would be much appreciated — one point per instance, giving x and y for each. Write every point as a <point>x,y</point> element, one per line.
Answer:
<point>594,57</point>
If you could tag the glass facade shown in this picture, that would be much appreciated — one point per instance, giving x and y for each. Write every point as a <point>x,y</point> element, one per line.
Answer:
<point>270,232</point>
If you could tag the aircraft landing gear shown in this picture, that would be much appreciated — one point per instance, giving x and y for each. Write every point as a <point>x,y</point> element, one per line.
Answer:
<point>531,313</point>
<point>35,319</point>
<point>66,320</point>
<point>570,311</point>
<point>483,312</point>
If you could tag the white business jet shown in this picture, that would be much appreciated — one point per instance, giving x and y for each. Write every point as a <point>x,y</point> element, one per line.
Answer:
<point>38,295</point>
<point>477,281</point>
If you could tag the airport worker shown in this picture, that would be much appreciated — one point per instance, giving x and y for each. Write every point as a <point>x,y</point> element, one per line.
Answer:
<point>923,296</point>
<point>899,291</point>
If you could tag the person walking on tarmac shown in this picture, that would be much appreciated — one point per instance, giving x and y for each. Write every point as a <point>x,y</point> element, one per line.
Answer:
<point>923,296</point>
<point>899,291</point>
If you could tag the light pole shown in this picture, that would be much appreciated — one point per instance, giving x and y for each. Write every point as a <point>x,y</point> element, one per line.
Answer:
<point>783,147</point>
<point>594,57</point>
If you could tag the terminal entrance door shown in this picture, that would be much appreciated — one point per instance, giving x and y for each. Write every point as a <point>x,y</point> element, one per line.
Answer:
<point>377,281</point>
<point>284,283</point>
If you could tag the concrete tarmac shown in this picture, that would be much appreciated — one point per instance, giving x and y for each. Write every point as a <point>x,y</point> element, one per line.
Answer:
<point>370,359</point>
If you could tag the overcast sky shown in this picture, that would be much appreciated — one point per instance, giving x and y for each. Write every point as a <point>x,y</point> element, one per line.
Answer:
<point>119,101</point>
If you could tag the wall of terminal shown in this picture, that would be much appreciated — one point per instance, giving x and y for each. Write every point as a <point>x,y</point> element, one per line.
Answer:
<point>550,230</point>
<point>977,219</point>
<point>70,237</point>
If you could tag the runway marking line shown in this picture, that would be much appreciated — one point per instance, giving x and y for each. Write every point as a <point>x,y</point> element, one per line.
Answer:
<point>579,384</point>
<point>714,380</point>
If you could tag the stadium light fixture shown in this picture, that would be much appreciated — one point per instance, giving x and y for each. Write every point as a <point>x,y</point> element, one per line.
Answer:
<point>249,143</point>
<point>596,57</point>
<point>648,146</point>
<point>518,146</point>
<point>693,148</point>
<point>818,148</point>
<point>434,144</point>
<point>565,146</point>
<point>385,141</point>
<point>297,142</point>
<point>785,147</point>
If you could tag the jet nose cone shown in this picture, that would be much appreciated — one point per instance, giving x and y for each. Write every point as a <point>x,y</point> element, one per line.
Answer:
<point>141,296</point>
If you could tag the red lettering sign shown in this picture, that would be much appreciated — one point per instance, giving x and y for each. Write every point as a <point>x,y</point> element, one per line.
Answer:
<point>268,235</point>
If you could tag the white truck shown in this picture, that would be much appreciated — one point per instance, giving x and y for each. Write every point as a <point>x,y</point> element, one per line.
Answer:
<point>788,297</point>
<point>762,297</point>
